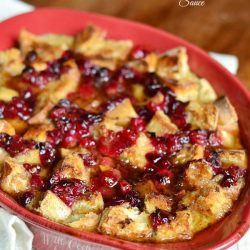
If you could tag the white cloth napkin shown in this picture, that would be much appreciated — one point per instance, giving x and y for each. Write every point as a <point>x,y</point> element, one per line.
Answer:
<point>14,234</point>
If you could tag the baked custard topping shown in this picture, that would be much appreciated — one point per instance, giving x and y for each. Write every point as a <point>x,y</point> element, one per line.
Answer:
<point>105,136</point>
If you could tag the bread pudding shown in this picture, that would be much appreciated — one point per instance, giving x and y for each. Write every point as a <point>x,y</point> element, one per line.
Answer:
<point>106,136</point>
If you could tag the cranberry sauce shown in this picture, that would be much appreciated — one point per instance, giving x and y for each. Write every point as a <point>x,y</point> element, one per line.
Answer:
<point>160,217</point>
<point>19,107</point>
<point>15,144</point>
<point>70,190</point>
<point>72,125</point>
<point>53,71</point>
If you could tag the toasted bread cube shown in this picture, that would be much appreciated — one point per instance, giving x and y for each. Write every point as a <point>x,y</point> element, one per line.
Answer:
<point>38,133</point>
<point>67,151</point>
<point>202,116</point>
<point>15,178</point>
<point>152,60</point>
<point>177,229</point>
<point>93,203</point>
<point>122,113</point>
<point>86,222</point>
<point>11,62</point>
<point>157,99</point>
<point>6,127</point>
<point>233,157</point>
<point>72,166</point>
<point>48,47</point>
<point>144,187</point>
<point>20,126</point>
<point>153,201</point>
<point>138,92</point>
<point>53,208</point>
<point>125,222</point>
<point>188,153</point>
<point>6,94</point>
<point>227,113</point>
<point>185,90</point>
<point>198,173</point>
<point>173,64</point>
<point>91,43</point>
<point>210,200</point>
<point>59,89</point>
<point>233,192</point>
<point>199,221</point>
<point>3,155</point>
<point>206,92</point>
<point>228,123</point>
<point>161,124</point>
<point>136,154</point>
<point>41,115</point>
<point>31,156</point>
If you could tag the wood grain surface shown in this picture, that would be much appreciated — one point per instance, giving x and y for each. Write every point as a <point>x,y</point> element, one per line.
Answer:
<point>220,25</point>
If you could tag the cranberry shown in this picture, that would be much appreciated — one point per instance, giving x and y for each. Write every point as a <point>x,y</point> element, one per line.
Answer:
<point>31,57</point>
<point>25,198</point>
<point>138,52</point>
<point>14,145</point>
<point>48,153</point>
<point>178,115</point>
<point>19,107</point>
<point>36,181</point>
<point>32,168</point>
<point>198,137</point>
<point>89,159</point>
<point>87,91</point>
<point>72,126</point>
<point>213,158</point>
<point>106,192</point>
<point>138,124</point>
<point>232,175</point>
<point>152,84</point>
<point>134,199</point>
<point>67,55</point>
<point>164,177</point>
<point>113,144</point>
<point>160,217</point>
<point>69,190</point>
<point>125,186</point>
<point>110,178</point>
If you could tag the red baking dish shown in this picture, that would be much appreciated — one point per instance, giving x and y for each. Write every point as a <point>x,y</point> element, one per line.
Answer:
<point>50,235</point>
